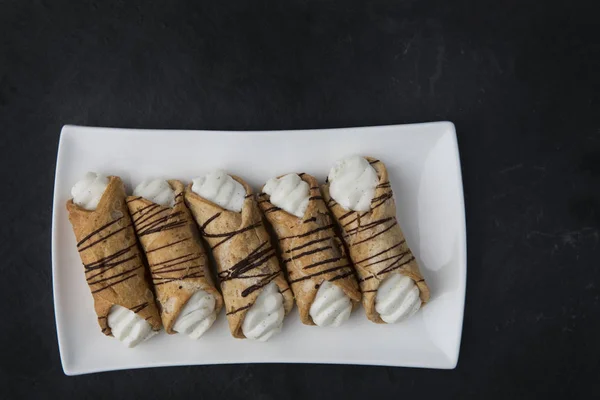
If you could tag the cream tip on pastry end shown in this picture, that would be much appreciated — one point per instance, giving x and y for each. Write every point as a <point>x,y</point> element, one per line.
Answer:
<point>397,298</point>
<point>290,193</point>
<point>331,306</point>
<point>265,318</point>
<point>157,191</point>
<point>221,189</point>
<point>128,327</point>
<point>352,182</point>
<point>197,316</point>
<point>88,191</point>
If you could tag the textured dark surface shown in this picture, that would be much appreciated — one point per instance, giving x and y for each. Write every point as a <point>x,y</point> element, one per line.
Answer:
<point>518,78</point>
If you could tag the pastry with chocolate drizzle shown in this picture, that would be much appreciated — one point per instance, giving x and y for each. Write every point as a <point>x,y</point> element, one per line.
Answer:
<point>312,253</point>
<point>246,261</point>
<point>108,248</point>
<point>377,246</point>
<point>177,259</point>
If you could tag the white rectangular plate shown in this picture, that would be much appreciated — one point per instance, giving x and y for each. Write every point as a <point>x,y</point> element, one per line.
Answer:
<point>424,169</point>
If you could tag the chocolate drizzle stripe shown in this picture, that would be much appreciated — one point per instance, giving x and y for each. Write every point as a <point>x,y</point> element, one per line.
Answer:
<point>134,199</point>
<point>383,197</point>
<point>139,307</point>
<point>101,262</point>
<point>264,282</point>
<point>306,253</point>
<point>107,267</point>
<point>373,162</point>
<point>315,198</point>
<point>233,233</point>
<point>90,282</point>
<point>393,267</point>
<point>350,222</point>
<point>114,283</point>
<point>165,227</point>
<point>230,235</point>
<point>169,269</point>
<point>374,207</point>
<point>168,245</point>
<point>208,221</point>
<point>237,310</point>
<point>366,279</point>
<point>398,256</point>
<point>188,276</point>
<point>166,268</point>
<point>308,244</point>
<point>151,224</point>
<point>377,234</point>
<point>322,228</point>
<point>381,252</point>
<point>312,219</point>
<point>104,238</point>
<point>248,276</point>
<point>247,264</point>
<point>349,213</point>
<point>163,275</point>
<point>383,185</point>
<point>192,261</point>
<point>103,227</point>
<point>148,217</point>
<point>171,260</point>
<point>272,209</point>
<point>362,228</point>
<point>141,210</point>
<point>248,196</point>
<point>328,261</point>
<point>347,274</point>
<point>369,291</point>
<point>320,273</point>
<point>256,258</point>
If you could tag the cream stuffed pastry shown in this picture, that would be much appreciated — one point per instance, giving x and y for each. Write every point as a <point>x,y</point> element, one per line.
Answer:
<point>257,296</point>
<point>113,266</point>
<point>188,300</point>
<point>320,274</point>
<point>360,197</point>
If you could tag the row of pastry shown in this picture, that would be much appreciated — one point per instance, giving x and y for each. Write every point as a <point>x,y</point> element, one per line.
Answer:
<point>338,244</point>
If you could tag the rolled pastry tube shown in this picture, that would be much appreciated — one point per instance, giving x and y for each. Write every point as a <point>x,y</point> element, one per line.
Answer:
<point>188,300</point>
<point>320,274</point>
<point>360,197</point>
<point>256,294</point>
<point>114,268</point>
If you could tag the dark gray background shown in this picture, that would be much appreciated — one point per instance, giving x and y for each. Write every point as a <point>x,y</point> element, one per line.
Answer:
<point>518,78</point>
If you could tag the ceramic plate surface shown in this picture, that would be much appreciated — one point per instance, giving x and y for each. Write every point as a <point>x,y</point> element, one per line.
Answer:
<point>424,168</point>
